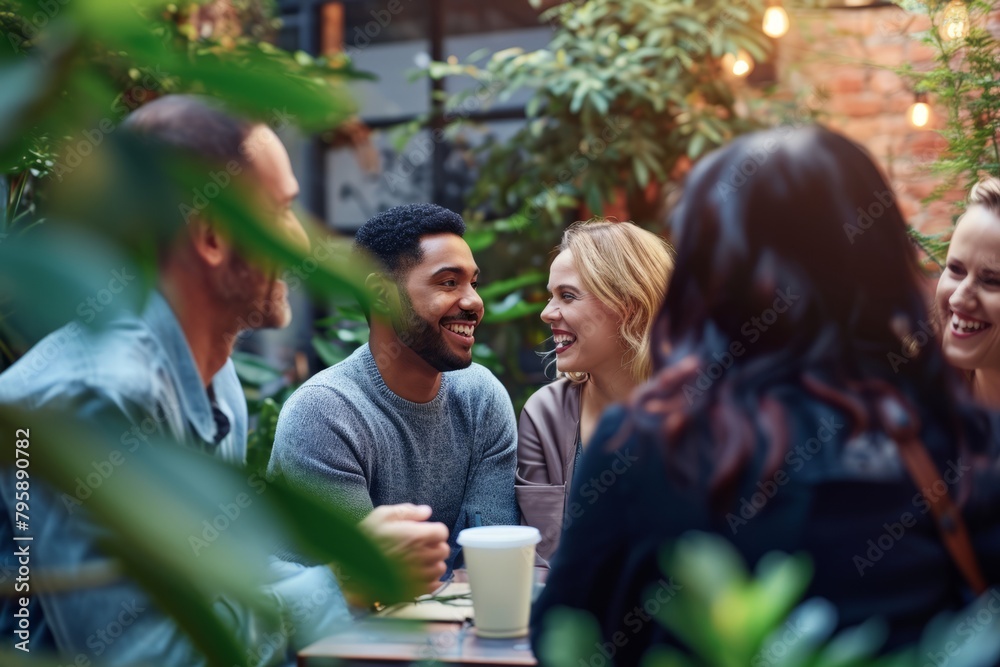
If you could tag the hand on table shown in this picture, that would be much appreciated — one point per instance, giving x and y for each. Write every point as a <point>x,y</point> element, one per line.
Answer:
<point>403,532</point>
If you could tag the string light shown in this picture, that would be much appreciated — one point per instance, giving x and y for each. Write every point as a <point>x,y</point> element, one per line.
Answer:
<point>919,114</point>
<point>775,21</point>
<point>739,64</point>
<point>954,21</point>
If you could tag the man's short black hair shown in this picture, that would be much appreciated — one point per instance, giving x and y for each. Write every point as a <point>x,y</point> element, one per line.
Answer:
<point>393,236</point>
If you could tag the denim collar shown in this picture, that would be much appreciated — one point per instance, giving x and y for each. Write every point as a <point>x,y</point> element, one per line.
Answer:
<point>195,404</point>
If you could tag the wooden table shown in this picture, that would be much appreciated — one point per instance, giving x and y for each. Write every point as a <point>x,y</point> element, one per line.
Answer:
<point>389,642</point>
<point>382,641</point>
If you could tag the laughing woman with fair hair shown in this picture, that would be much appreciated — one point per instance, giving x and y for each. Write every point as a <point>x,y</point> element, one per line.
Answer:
<point>606,285</point>
<point>968,294</point>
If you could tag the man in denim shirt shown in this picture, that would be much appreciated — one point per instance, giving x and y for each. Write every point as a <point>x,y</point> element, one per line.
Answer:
<point>168,371</point>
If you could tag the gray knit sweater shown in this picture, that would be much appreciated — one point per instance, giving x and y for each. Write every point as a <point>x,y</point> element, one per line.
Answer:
<point>346,436</point>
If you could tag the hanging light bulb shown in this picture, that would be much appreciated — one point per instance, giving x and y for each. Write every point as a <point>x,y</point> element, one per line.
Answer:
<point>775,21</point>
<point>919,113</point>
<point>739,64</point>
<point>954,21</point>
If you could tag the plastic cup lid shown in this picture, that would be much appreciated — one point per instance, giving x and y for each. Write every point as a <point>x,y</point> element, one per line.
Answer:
<point>499,537</point>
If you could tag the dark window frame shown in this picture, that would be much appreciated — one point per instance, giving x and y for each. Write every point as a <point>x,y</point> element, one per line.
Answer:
<point>305,16</point>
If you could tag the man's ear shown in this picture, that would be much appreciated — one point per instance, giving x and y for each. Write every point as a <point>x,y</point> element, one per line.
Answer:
<point>208,244</point>
<point>385,293</point>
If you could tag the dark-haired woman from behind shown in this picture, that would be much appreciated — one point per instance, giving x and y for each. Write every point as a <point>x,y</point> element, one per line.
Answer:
<point>772,371</point>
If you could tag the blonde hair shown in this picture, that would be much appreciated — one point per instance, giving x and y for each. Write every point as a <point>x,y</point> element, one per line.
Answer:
<point>986,193</point>
<point>627,269</point>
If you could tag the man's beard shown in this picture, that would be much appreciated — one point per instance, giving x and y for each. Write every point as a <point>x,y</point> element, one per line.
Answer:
<point>426,339</point>
<point>258,297</point>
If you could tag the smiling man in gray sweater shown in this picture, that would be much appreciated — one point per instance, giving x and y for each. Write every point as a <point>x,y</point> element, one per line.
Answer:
<point>408,418</point>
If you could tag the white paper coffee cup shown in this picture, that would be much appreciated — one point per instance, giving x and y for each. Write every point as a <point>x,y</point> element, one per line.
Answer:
<point>500,561</point>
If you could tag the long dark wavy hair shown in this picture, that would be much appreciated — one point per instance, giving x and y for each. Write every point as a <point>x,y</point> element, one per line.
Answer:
<point>793,259</point>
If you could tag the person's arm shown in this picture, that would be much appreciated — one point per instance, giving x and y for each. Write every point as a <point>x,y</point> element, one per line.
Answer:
<point>404,532</point>
<point>490,489</point>
<point>531,464</point>
<point>982,507</point>
<point>594,543</point>
<point>541,502</point>
<point>311,601</point>
<point>113,623</point>
<point>322,445</point>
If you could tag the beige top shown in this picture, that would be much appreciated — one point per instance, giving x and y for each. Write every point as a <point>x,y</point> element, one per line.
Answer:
<point>546,450</point>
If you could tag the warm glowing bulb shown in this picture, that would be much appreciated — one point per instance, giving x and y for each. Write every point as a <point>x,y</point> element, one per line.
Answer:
<point>775,21</point>
<point>740,64</point>
<point>919,114</point>
<point>954,21</point>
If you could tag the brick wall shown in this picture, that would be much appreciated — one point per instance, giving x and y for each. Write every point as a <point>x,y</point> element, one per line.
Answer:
<point>851,53</point>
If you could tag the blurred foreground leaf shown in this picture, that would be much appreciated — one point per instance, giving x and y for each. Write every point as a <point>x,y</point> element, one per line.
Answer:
<point>156,511</point>
<point>568,639</point>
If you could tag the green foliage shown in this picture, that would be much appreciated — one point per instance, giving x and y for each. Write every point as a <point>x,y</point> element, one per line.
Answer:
<point>965,80</point>
<point>718,600</point>
<point>623,93</point>
<point>623,98</point>
<point>70,72</point>
<point>155,508</point>
<point>934,246</point>
<point>728,618</point>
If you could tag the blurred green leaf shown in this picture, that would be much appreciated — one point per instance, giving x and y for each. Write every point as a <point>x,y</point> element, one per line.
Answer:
<point>188,489</point>
<point>254,370</point>
<point>568,638</point>
<point>48,279</point>
<point>498,288</point>
<point>328,353</point>
<point>148,550</point>
<point>511,308</point>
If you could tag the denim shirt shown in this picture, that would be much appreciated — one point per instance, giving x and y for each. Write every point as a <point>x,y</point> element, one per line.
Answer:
<point>142,368</point>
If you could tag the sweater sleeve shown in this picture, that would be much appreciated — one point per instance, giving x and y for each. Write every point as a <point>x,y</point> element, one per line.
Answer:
<point>321,445</point>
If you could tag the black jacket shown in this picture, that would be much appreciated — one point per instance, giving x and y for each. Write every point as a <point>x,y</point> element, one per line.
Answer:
<point>834,498</point>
